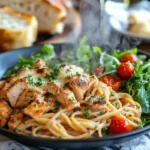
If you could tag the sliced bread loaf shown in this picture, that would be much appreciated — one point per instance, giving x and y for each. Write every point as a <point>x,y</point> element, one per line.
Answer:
<point>49,13</point>
<point>16,29</point>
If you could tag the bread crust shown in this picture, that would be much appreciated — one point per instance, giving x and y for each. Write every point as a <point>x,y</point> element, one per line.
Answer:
<point>12,38</point>
<point>49,13</point>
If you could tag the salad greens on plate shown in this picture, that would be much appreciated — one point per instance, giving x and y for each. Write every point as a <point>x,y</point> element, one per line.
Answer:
<point>135,80</point>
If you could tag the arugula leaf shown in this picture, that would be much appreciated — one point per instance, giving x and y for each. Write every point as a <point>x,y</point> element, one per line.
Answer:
<point>145,120</point>
<point>109,63</point>
<point>142,98</point>
<point>46,52</point>
<point>119,54</point>
<point>84,54</point>
<point>97,49</point>
<point>138,85</point>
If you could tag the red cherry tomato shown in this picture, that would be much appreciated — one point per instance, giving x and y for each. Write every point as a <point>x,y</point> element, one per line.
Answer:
<point>119,125</point>
<point>98,70</point>
<point>129,57</point>
<point>125,70</point>
<point>112,81</point>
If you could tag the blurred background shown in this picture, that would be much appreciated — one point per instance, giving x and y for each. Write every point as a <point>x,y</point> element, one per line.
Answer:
<point>111,24</point>
<point>108,23</point>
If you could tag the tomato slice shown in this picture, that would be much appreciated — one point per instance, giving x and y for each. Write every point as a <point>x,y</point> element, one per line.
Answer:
<point>119,125</point>
<point>129,58</point>
<point>125,70</point>
<point>112,81</point>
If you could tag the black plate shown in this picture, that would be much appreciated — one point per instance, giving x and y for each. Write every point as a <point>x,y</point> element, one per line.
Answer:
<point>9,59</point>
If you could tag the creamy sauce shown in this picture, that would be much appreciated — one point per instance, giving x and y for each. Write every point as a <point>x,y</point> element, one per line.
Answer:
<point>67,71</point>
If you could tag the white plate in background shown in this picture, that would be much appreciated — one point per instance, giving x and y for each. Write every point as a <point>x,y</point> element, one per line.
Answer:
<point>119,14</point>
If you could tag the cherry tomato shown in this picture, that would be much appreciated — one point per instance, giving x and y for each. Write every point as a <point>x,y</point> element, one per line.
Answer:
<point>119,125</point>
<point>129,57</point>
<point>112,81</point>
<point>125,70</point>
<point>98,70</point>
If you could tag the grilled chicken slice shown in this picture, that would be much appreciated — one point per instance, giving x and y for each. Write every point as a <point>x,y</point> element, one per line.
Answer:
<point>38,64</point>
<point>28,96</point>
<point>53,88</point>
<point>1,83</point>
<point>36,109</point>
<point>5,86</point>
<point>15,119</point>
<point>16,90</point>
<point>52,102</point>
<point>67,99</point>
<point>79,85</point>
<point>5,112</point>
<point>34,72</point>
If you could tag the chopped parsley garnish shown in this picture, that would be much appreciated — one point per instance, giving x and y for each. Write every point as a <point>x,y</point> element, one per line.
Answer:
<point>68,70</point>
<point>101,112</point>
<point>90,99</point>
<point>66,84</point>
<point>114,103</point>
<point>57,105</point>
<point>95,128</point>
<point>33,90</point>
<point>92,76</point>
<point>78,74</point>
<point>86,112</point>
<point>105,132</point>
<point>137,107</point>
<point>113,93</point>
<point>60,137</point>
<point>73,99</point>
<point>31,81</point>
<point>53,73</point>
<point>18,130</point>
<point>39,82</point>
<point>100,99</point>
<point>48,94</point>
<point>36,121</point>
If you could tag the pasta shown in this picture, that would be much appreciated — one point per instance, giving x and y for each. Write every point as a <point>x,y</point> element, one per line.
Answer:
<point>75,125</point>
<point>85,106</point>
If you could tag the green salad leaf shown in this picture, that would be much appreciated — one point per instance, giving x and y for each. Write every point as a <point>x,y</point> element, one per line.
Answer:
<point>109,63</point>
<point>139,85</point>
<point>145,120</point>
<point>46,52</point>
<point>119,54</point>
<point>83,56</point>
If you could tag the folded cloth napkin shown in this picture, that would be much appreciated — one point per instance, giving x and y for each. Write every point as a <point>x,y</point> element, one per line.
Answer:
<point>140,143</point>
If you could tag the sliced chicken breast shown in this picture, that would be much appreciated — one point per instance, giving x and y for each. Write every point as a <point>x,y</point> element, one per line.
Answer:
<point>5,86</point>
<point>16,90</point>
<point>79,85</point>
<point>27,97</point>
<point>38,64</point>
<point>15,119</point>
<point>36,109</point>
<point>5,112</point>
<point>67,98</point>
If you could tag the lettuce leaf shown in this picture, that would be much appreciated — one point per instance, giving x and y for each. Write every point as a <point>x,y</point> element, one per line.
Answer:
<point>46,52</point>
<point>119,54</point>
